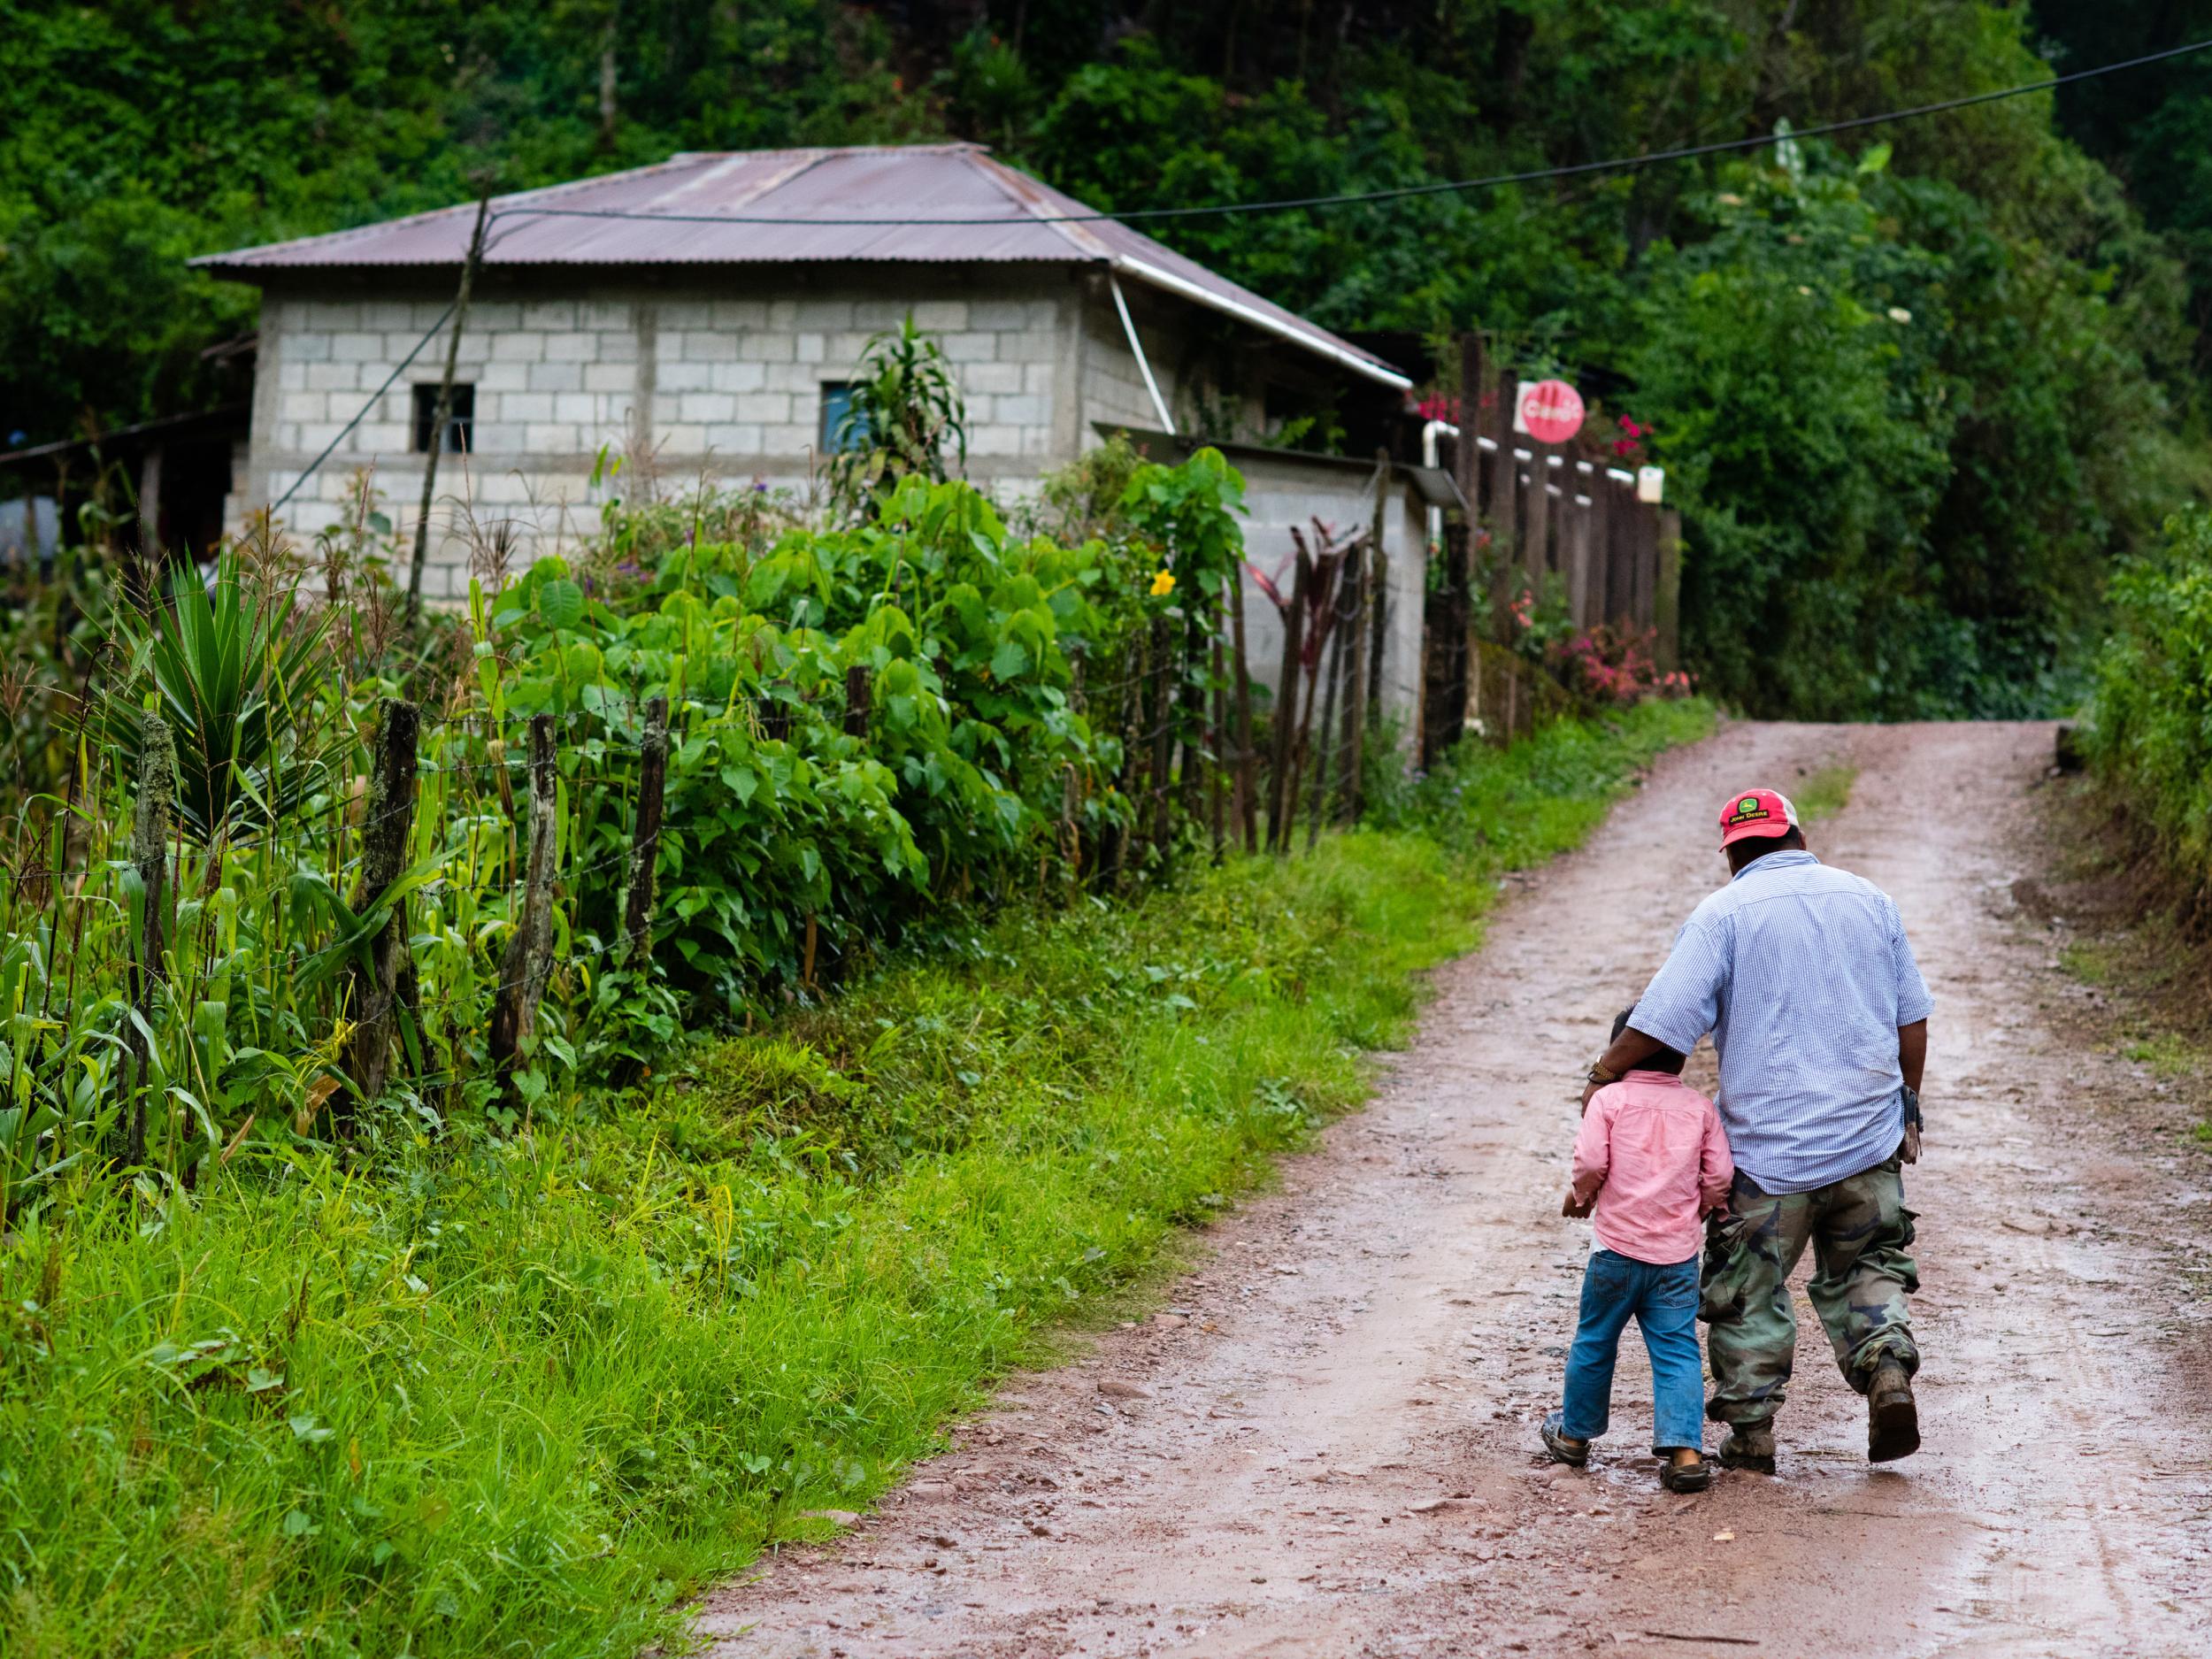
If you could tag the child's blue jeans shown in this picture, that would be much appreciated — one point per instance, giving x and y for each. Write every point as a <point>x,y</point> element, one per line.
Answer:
<point>1663,1301</point>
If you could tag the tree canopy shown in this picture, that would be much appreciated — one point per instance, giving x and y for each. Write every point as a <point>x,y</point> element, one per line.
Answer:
<point>1916,391</point>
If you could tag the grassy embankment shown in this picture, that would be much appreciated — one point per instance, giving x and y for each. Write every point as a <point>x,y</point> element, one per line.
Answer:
<point>521,1397</point>
<point>2132,843</point>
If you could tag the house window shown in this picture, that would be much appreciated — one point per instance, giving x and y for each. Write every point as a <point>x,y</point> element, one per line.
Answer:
<point>837,403</point>
<point>460,426</point>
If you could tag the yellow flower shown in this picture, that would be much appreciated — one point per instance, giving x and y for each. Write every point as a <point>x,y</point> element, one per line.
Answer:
<point>1163,584</point>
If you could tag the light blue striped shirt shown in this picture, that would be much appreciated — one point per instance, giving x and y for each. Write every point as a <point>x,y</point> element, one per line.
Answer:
<point>1802,975</point>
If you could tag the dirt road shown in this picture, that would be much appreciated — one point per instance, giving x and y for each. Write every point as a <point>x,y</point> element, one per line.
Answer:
<point>1326,1447</point>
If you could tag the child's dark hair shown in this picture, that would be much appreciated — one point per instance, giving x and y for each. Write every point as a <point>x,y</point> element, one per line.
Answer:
<point>1664,1060</point>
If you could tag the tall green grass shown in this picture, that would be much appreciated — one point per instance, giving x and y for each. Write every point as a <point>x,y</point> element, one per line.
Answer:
<point>2150,727</point>
<point>521,1396</point>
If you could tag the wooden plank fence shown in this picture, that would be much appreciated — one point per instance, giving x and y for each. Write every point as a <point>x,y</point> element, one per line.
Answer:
<point>1537,514</point>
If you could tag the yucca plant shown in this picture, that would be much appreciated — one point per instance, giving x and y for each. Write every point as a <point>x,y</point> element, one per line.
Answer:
<point>906,410</point>
<point>232,673</point>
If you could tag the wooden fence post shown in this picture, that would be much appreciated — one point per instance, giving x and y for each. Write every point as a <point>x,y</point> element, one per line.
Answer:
<point>1620,586</point>
<point>1217,741</point>
<point>1600,588</point>
<point>1646,564</point>
<point>1378,584</point>
<point>1323,767</point>
<point>859,703</point>
<point>1287,705</point>
<point>371,996</point>
<point>645,840</point>
<point>1129,721</point>
<point>150,855</point>
<point>1363,624</point>
<point>1503,496</point>
<point>528,960</point>
<point>1574,540</point>
<point>1248,762</point>
<point>1160,779</point>
<point>1667,609</point>
<point>1536,542</point>
<point>1190,705</point>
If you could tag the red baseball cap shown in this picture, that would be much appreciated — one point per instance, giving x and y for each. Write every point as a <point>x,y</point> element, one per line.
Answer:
<point>1755,813</point>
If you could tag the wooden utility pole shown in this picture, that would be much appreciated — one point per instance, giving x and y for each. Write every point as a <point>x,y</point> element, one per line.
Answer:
<point>645,841</point>
<point>149,857</point>
<point>528,961</point>
<point>372,998</point>
<point>444,413</point>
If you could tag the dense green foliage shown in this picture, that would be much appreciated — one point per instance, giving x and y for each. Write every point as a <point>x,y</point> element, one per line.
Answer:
<point>1912,517</point>
<point>2151,726</point>
<point>868,721</point>
<point>2153,126</point>
<point>516,1394</point>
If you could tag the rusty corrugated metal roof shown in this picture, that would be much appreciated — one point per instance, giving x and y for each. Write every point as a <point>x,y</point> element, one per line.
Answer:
<point>826,206</point>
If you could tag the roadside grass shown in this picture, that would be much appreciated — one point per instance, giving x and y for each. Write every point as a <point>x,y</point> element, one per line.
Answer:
<point>2127,936</point>
<point>2167,1053</point>
<point>1825,793</point>
<point>524,1397</point>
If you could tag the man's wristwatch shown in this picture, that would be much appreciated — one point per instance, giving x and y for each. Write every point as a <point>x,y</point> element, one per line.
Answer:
<point>1597,1073</point>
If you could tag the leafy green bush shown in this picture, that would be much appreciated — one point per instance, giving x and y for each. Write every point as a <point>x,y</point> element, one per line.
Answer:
<point>2150,730</point>
<point>802,830</point>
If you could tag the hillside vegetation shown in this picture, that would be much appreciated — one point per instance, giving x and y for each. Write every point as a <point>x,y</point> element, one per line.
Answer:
<point>1915,391</point>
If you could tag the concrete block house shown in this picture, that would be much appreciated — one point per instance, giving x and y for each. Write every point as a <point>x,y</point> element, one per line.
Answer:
<point>710,312</point>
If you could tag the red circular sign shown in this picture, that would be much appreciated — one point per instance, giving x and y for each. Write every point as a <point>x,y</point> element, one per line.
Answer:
<point>1551,410</point>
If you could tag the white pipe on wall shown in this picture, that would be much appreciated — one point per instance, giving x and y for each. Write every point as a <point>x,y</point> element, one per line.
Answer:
<point>1430,434</point>
<point>1144,365</point>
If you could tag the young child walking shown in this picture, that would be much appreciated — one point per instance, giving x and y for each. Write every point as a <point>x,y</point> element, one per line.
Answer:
<point>1650,1162</point>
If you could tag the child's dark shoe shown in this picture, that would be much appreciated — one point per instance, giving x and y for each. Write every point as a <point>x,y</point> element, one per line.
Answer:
<point>1686,1471</point>
<point>1575,1454</point>
<point>1750,1447</point>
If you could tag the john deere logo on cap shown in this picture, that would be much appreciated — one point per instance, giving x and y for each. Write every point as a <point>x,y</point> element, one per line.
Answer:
<point>1747,810</point>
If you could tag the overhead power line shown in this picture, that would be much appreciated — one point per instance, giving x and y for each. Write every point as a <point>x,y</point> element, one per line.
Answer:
<point>1452,186</point>
<point>361,413</point>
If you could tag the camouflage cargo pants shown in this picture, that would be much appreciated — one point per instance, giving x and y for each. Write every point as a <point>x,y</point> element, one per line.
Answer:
<point>1861,1231</point>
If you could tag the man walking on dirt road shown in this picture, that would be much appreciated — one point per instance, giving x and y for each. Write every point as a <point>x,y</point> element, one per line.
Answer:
<point>1803,976</point>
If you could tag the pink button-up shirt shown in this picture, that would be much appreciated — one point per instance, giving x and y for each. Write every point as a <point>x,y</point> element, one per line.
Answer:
<point>1652,1150</point>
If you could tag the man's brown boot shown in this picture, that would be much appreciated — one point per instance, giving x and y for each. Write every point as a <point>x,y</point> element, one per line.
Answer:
<point>1749,1446</point>
<point>1893,1421</point>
